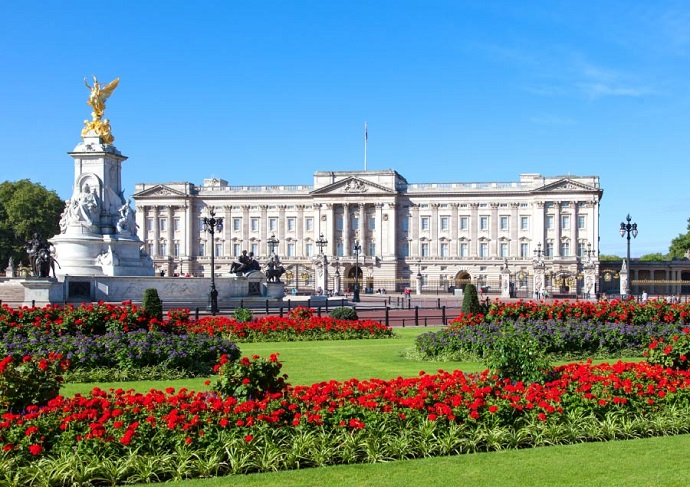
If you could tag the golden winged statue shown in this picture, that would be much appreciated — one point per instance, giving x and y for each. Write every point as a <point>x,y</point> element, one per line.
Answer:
<point>96,100</point>
<point>99,95</point>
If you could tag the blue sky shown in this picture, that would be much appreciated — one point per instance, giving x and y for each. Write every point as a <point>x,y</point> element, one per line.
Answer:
<point>268,92</point>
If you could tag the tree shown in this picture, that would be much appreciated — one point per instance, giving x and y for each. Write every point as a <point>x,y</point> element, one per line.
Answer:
<point>681,244</point>
<point>608,258</point>
<point>26,208</point>
<point>656,257</point>
<point>470,301</point>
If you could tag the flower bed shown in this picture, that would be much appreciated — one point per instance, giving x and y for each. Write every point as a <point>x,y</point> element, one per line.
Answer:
<point>301,324</point>
<point>565,329</point>
<point>275,328</point>
<point>340,422</point>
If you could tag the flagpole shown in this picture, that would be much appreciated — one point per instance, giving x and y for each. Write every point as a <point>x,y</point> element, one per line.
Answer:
<point>366,137</point>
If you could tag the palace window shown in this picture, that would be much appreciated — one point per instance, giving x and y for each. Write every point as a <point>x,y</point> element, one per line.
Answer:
<point>483,249</point>
<point>309,224</point>
<point>444,249</point>
<point>255,224</point>
<point>236,224</point>
<point>425,249</point>
<point>484,223</point>
<point>581,222</point>
<point>444,224</point>
<point>565,222</point>
<point>504,223</point>
<point>524,223</point>
<point>524,250</point>
<point>503,250</point>
<point>463,249</point>
<point>549,222</point>
<point>425,223</point>
<point>291,222</point>
<point>464,223</point>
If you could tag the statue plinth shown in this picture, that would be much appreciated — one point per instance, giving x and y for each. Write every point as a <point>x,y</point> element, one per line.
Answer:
<point>275,290</point>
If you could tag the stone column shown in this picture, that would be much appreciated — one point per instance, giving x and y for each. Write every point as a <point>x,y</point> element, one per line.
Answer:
<point>156,231</point>
<point>363,229</point>
<point>415,248</point>
<point>433,245</point>
<point>263,232</point>
<point>493,235</point>
<point>347,238</point>
<point>557,230</point>
<point>391,230</point>
<point>514,230</point>
<point>454,242</point>
<point>474,233</point>
<point>379,229</point>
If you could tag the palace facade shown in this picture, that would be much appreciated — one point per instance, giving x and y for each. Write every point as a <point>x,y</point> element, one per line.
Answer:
<point>447,233</point>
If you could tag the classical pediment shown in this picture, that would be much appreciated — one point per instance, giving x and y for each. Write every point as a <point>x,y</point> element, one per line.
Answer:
<point>566,185</point>
<point>353,186</point>
<point>161,191</point>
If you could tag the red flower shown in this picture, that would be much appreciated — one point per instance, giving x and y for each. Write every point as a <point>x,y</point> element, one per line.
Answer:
<point>35,449</point>
<point>248,438</point>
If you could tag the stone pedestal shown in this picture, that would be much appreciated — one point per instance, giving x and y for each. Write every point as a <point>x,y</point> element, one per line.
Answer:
<point>97,228</point>
<point>275,290</point>
<point>505,283</point>
<point>418,286</point>
<point>42,291</point>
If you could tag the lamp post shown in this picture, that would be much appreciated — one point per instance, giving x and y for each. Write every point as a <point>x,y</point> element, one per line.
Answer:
<point>628,229</point>
<point>272,242</point>
<point>321,243</point>
<point>211,224</point>
<point>355,295</point>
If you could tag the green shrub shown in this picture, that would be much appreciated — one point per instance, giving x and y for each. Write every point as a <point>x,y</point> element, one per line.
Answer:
<point>470,301</point>
<point>344,313</point>
<point>243,315</point>
<point>247,379</point>
<point>517,356</point>
<point>31,380</point>
<point>152,304</point>
<point>672,352</point>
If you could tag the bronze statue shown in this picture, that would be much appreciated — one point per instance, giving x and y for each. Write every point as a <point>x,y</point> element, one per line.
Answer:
<point>274,270</point>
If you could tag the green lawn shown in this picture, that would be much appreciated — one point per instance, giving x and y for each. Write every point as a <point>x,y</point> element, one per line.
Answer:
<point>649,462</point>
<point>309,362</point>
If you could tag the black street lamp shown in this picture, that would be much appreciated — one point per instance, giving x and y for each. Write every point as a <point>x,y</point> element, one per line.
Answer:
<point>627,229</point>
<point>321,243</point>
<point>355,295</point>
<point>272,243</point>
<point>538,252</point>
<point>211,224</point>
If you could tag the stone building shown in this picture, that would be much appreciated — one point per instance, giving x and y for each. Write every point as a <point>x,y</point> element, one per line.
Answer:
<point>442,234</point>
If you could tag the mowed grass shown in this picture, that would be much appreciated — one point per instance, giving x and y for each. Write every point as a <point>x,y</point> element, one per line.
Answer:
<point>661,461</point>
<point>306,363</point>
<point>645,462</point>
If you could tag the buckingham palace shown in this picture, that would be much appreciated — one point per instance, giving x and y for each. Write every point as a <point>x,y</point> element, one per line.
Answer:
<point>377,226</point>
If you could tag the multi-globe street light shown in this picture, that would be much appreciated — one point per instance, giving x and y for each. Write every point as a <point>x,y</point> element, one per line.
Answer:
<point>628,229</point>
<point>211,224</point>
<point>272,244</point>
<point>355,295</point>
